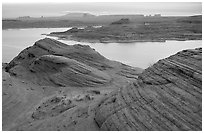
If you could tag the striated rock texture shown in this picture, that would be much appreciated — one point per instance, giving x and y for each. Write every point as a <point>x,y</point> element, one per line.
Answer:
<point>166,96</point>
<point>65,71</point>
<point>52,63</point>
<point>47,46</point>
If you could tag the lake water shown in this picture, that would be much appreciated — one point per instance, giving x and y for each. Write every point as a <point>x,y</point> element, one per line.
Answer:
<point>139,54</point>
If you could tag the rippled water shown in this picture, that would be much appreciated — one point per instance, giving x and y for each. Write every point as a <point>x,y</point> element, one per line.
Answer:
<point>139,54</point>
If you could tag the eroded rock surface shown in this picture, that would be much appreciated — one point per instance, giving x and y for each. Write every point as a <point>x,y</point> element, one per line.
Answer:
<point>52,107</point>
<point>166,96</point>
<point>52,63</point>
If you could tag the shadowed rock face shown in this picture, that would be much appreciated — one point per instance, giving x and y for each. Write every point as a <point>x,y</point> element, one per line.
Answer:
<point>166,96</point>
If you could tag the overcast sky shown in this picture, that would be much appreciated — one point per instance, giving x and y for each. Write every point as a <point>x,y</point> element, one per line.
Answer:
<point>11,10</point>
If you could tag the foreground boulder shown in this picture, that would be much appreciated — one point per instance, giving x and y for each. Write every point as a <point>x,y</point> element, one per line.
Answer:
<point>166,96</point>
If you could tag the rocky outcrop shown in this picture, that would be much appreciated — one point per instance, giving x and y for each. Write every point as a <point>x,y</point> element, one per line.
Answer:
<point>52,63</point>
<point>52,107</point>
<point>166,96</point>
<point>66,72</point>
<point>47,46</point>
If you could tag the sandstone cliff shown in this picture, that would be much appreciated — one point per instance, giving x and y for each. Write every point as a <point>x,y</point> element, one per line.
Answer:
<point>166,96</point>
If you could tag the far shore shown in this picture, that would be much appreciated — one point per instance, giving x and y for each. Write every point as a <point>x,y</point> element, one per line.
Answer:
<point>70,37</point>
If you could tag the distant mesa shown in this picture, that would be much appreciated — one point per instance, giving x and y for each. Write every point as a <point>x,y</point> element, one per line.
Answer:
<point>122,21</point>
<point>24,17</point>
<point>76,15</point>
<point>155,15</point>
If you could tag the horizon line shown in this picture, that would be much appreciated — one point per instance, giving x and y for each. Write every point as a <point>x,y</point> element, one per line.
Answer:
<point>96,15</point>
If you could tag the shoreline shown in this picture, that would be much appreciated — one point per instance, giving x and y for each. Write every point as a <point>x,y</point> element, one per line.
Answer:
<point>69,37</point>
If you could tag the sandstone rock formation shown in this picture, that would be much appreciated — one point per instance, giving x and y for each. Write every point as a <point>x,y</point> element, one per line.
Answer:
<point>52,63</point>
<point>54,86</point>
<point>65,71</point>
<point>166,96</point>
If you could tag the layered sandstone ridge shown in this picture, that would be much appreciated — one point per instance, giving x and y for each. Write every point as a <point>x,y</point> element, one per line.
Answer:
<point>67,72</point>
<point>166,96</point>
<point>52,63</point>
